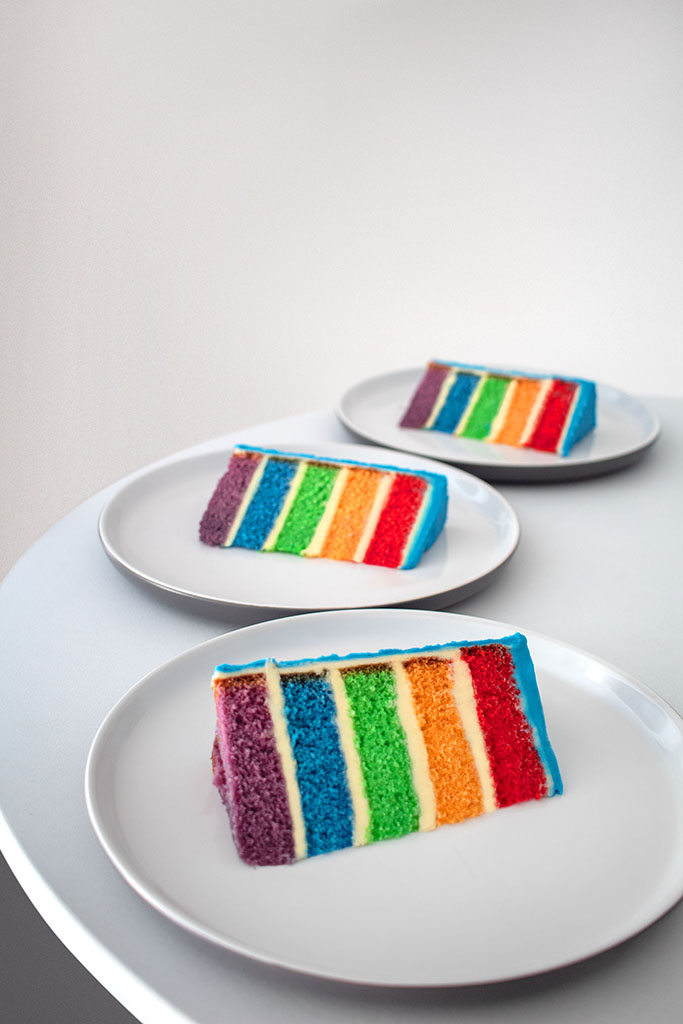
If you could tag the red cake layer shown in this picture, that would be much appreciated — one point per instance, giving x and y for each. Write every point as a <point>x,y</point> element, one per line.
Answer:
<point>546,435</point>
<point>396,521</point>
<point>515,764</point>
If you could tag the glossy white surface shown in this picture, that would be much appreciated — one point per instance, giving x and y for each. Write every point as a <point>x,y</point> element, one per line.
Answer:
<point>78,635</point>
<point>150,529</point>
<point>625,428</point>
<point>490,885</point>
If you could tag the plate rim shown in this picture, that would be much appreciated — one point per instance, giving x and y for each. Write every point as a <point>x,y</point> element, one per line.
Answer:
<point>444,597</point>
<point>190,924</point>
<point>506,471</point>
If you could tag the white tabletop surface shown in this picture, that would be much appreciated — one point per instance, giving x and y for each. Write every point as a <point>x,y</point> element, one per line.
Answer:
<point>599,566</point>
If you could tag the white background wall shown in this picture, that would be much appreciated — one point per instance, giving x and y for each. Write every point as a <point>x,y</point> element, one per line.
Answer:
<point>218,213</point>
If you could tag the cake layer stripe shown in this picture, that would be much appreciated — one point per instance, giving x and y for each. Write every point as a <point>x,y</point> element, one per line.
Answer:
<point>456,402</point>
<point>314,755</point>
<point>378,503</point>
<point>352,513</point>
<point>548,413</point>
<point>253,486</point>
<point>264,508</point>
<point>226,499</point>
<point>260,817</point>
<point>320,765</point>
<point>425,396</point>
<point>515,422</point>
<point>423,783</point>
<point>307,509</point>
<point>314,549</point>
<point>354,770</point>
<point>444,391</point>
<point>463,696</point>
<point>489,400</point>
<point>550,427</point>
<point>301,504</point>
<point>516,766</point>
<point>276,706</point>
<point>292,491</point>
<point>381,743</point>
<point>452,769</point>
<point>395,523</point>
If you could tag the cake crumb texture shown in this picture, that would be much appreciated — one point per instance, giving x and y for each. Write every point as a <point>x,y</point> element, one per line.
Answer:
<point>313,756</point>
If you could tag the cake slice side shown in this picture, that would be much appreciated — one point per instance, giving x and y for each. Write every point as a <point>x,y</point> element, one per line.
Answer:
<point>337,751</point>
<point>274,501</point>
<point>502,406</point>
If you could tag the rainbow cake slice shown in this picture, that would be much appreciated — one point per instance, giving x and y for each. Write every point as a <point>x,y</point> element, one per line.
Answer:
<point>269,500</point>
<point>313,756</point>
<point>521,409</point>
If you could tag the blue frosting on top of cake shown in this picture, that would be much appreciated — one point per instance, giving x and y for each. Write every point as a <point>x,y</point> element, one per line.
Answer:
<point>510,373</point>
<point>332,460</point>
<point>384,652</point>
<point>320,765</point>
<point>524,674</point>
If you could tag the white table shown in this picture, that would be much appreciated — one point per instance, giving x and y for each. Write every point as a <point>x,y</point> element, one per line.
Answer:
<point>599,565</point>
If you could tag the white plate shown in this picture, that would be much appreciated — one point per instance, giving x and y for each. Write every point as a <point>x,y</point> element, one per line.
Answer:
<point>522,890</point>
<point>625,428</point>
<point>150,530</point>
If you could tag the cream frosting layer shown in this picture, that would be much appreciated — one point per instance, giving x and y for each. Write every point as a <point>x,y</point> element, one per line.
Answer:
<point>319,537</point>
<point>446,385</point>
<point>463,695</point>
<point>245,502</point>
<point>422,781</point>
<point>536,411</point>
<point>378,504</point>
<point>474,398</point>
<point>276,704</point>
<point>294,485</point>
<point>354,772</point>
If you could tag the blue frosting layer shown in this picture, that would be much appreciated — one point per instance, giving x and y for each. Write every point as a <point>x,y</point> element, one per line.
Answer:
<point>510,373</point>
<point>531,702</point>
<point>583,419</point>
<point>320,764</point>
<point>384,652</point>
<point>432,523</point>
<point>325,459</point>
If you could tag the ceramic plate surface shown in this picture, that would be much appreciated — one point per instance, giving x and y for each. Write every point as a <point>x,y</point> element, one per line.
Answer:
<point>150,530</point>
<point>516,892</point>
<point>372,409</point>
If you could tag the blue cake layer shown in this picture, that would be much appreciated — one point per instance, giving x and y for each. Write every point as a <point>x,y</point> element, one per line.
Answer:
<point>320,764</point>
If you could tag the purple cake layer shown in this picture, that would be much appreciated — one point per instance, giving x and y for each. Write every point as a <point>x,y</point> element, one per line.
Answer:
<point>424,398</point>
<point>245,750</point>
<point>225,501</point>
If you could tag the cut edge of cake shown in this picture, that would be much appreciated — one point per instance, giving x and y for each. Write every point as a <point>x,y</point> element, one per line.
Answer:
<point>225,513</point>
<point>267,683</point>
<point>551,420</point>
